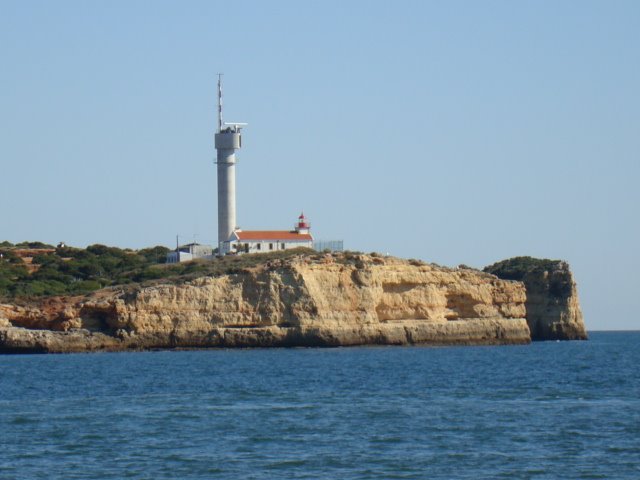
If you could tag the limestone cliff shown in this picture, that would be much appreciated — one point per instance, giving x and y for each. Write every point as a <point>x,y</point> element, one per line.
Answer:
<point>321,300</point>
<point>553,310</point>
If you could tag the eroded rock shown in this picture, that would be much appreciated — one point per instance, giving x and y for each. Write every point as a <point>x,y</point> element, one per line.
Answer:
<point>329,300</point>
<point>553,309</point>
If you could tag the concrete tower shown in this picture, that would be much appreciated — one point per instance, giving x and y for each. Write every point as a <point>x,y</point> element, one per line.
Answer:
<point>228,140</point>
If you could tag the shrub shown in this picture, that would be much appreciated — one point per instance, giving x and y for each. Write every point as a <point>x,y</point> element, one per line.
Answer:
<point>85,286</point>
<point>39,288</point>
<point>518,267</point>
<point>71,270</point>
<point>33,245</point>
<point>157,254</point>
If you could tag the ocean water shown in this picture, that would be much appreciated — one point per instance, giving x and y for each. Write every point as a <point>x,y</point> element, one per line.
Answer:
<point>545,411</point>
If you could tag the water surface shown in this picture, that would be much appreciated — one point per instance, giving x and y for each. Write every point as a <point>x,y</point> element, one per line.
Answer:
<point>547,410</point>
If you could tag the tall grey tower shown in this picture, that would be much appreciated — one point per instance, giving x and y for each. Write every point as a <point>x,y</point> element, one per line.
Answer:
<point>228,140</point>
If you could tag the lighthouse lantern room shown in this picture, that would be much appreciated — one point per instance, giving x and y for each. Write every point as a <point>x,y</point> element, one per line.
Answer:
<point>303,225</point>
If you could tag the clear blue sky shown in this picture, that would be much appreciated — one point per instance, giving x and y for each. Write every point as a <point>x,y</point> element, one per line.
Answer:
<point>455,132</point>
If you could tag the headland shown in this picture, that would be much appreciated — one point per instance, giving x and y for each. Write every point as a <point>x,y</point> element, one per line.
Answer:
<point>303,299</point>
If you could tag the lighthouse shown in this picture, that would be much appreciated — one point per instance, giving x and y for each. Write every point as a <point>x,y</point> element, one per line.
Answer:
<point>228,139</point>
<point>303,226</point>
<point>231,239</point>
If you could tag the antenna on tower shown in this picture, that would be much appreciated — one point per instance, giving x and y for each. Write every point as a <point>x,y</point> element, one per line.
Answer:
<point>219,102</point>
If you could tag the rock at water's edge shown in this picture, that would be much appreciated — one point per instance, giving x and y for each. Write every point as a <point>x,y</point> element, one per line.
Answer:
<point>553,309</point>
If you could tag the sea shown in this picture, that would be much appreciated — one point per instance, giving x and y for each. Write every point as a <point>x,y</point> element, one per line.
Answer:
<point>550,410</point>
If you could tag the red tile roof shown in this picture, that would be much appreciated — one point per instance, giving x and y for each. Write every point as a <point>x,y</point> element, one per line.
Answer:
<point>273,235</point>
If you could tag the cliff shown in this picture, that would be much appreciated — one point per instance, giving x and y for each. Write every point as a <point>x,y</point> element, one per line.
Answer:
<point>309,300</point>
<point>553,309</point>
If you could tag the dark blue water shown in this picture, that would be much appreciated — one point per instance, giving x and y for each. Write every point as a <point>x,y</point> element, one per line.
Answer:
<point>548,410</point>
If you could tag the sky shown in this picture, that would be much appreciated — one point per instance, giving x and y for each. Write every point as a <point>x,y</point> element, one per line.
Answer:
<point>453,132</point>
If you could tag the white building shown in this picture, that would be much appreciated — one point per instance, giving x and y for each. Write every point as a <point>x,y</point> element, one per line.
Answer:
<point>188,252</point>
<point>258,241</point>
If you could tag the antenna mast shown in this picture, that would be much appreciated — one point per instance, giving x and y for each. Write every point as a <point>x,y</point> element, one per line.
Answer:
<point>219,102</point>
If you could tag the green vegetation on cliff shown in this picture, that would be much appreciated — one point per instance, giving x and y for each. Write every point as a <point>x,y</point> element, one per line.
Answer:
<point>536,273</point>
<point>33,269</point>
<point>518,267</point>
<point>77,271</point>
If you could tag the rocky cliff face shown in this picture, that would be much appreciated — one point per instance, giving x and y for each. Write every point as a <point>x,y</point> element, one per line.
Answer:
<point>553,309</point>
<point>328,300</point>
